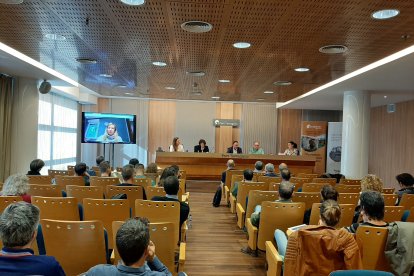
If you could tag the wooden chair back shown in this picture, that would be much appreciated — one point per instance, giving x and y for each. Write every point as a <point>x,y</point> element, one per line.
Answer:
<point>348,188</point>
<point>81,192</point>
<point>182,185</point>
<point>132,193</point>
<point>298,182</point>
<point>307,198</point>
<point>107,211</point>
<point>71,170</point>
<point>143,182</point>
<point>76,245</point>
<point>153,176</point>
<point>411,215</point>
<point>345,181</point>
<point>40,179</point>
<point>390,199</point>
<point>257,197</point>
<point>7,200</point>
<point>347,214</point>
<point>53,173</point>
<point>63,180</point>
<point>274,186</point>
<point>229,175</point>
<point>256,176</point>
<point>154,191</point>
<point>182,174</point>
<point>96,170</point>
<point>308,175</point>
<point>348,198</point>
<point>57,208</point>
<point>371,242</point>
<point>278,215</point>
<point>245,188</point>
<point>45,190</point>
<point>393,213</point>
<point>388,190</point>
<point>407,201</point>
<point>313,187</point>
<point>235,178</point>
<point>160,211</point>
<point>331,181</point>
<point>104,181</point>
<point>269,179</point>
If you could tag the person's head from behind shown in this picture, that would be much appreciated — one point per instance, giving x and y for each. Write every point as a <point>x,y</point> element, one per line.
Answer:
<point>330,213</point>
<point>80,169</point>
<point>18,225</point>
<point>152,168</point>
<point>99,159</point>
<point>37,165</point>
<point>329,192</point>
<point>132,240</point>
<point>169,171</point>
<point>248,175</point>
<point>128,172</point>
<point>269,168</point>
<point>202,143</point>
<point>286,190</point>
<point>139,169</point>
<point>258,165</point>
<point>371,182</point>
<point>282,166</point>
<point>15,185</point>
<point>230,164</point>
<point>105,168</point>
<point>285,174</point>
<point>372,206</point>
<point>405,180</point>
<point>133,162</point>
<point>176,169</point>
<point>171,185</point>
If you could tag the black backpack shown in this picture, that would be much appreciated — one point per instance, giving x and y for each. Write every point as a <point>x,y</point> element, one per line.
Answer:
<point>217,197</point>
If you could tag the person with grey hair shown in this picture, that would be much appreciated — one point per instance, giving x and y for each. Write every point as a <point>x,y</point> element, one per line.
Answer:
<point>17,185</point>
<point>230,166</point>
<point>258,167</point>
<point>18,231</point>
<point>270,170</point>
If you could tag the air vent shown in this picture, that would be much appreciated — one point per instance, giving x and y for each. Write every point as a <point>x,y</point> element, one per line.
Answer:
<point>86,60</point>
<point>196,26</point>
<point>333,49</point>
<point>11,2</point>
<point>196,73</point>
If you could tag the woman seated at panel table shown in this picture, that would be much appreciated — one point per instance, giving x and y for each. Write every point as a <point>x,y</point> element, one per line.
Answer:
<point>201,147</point>
<point>176,145</point>
<point>292,149</point>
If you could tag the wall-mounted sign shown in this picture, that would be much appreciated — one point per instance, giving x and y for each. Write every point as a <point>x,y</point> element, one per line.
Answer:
<point>226,122</point>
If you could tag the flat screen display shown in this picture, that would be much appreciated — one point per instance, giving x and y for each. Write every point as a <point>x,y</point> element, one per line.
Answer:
<point>108,128</point>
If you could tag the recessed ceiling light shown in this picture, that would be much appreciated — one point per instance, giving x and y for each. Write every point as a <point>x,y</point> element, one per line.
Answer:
<point>215,97</point>
<point>169,88</point>
<point>128,93</point>
<point>282,83</point>
<point>105,75</point>
<point>196,26</point>
<point>333,49</point>
<point>133,2</point>
<point>224,81</point>
<point>86,60</point>
<point>302,69</point>
<point>55,37</point>
<point>242,45</point>
<point>122,86</point>
<point>11,2</point>
<point>268,92</point>
<point>260,99</point>
<point>159,63</point>
<point>385,97</point>
<point>385,14</point>
<point>196,73</point>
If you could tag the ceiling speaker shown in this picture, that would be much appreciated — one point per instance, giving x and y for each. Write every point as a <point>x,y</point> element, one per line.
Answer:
<point>391,108</point>
<point>45,87</point>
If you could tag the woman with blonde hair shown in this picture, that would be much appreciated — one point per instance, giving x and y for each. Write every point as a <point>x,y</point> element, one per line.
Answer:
<point>17,185</point>
<point>111,135</point>
<point>371,182</point>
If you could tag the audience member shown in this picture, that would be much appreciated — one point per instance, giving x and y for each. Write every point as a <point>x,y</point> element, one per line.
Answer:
<point>282,166</point>
<point>337,176</point>
<point>321,249</point>
<point>136,250</point>
<point>17,185</point>
<point>406,182</point>
<point>171,187</point>
<point>258,167</point>
<point>80,170</point>
<point>133,162</point>
<point>139,171</point>
<point>372,210</point>
<point>18,231</point>
<point>152,168</point>
<point>270,170</point>
<point>371,182</point>
<point>128,172</point>
<point>168,171</point>
<point>105,169</point>
<point>329,192</point>
<point>230,166</point>
<point>176,169</point>
<point>152,172</point>
<point>285,175</point>
<point>36,166</point>
<point>235,148</point>
<point>247,177</point>
<point>99,159</point>
<point>256,149</point>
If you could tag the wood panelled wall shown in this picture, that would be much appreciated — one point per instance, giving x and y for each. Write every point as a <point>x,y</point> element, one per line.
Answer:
<point>289,122</point>
<point>391,149</point>
<point>225,135</point>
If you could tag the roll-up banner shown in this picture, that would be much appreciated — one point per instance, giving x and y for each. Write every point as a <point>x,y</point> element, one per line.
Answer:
<point>334,148</point>
<point>313,143</point>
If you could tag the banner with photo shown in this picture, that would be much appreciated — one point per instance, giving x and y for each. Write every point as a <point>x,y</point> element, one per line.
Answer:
<point>313,143</point>
<point>334,148</point>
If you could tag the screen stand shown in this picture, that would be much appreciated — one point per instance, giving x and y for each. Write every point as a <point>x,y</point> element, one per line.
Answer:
<point>112,151</point>
<point>104,151</point>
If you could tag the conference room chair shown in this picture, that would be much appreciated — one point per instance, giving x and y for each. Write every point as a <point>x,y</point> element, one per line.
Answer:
<point>184,195</point>
<point>307,175</point>
<point>298,182</point>
<point>242,196</point>
<point>274,215</point>
<point>341,188</point>
<point>269,179</point>
<point>227,184</point>
<point>393,213</point>
<point>107,211</point>
<point>407,201</point>
<point>45,190</point>
<point>154,191</point>
<point>256,176</point>
<point>331,181</point>
<point>238,178</point>
<point>182,174</point>
<point>388,190</point>
<point>40,179</point>
<point>132,193</point>
<point>410,218</point>
<point>348,198</point>
<point>345,181</point>
<point>313,187</point>
<point>57,208</point>
<point>63,180</point>
<point>347,214</point>
<point>372,242</point>
<point>71,170</point>
<point>256,198</point>
<point>76,245</point>
<point>143,182</point>
<point>53,173</point>
<point>7,200</point>
<point>307,198</point>
<point>274,186</point>
<point>273,260</point>
<point>96,170</point>
<point>103,182</point>
<point>154,177</point>
<point>81,192</point>
<point>360,273</point>
<point>390,199</point>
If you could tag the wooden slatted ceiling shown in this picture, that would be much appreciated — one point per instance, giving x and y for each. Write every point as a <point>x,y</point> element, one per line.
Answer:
<point>284,35</point>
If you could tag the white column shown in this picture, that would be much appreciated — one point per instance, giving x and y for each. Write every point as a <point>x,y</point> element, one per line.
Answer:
<point>355,134</point>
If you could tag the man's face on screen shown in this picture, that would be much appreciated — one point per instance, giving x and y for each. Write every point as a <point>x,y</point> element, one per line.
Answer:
<point>110,130</point>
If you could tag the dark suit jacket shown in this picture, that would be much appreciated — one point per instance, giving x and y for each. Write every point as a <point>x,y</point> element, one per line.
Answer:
<point>230,150</point>
<point>198,149</point>
<point>184,208</point>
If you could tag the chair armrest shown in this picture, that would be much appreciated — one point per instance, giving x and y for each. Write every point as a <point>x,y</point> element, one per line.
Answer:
<point>112,257</point>
<point>233,201</point>
<point>181,258</point>
<point>273,259</point>
<point>252,232</point>
<point>183,230</point>
<point>240,215</point>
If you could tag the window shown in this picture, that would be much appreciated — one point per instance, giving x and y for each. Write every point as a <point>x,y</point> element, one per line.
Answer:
<point>57,131</point>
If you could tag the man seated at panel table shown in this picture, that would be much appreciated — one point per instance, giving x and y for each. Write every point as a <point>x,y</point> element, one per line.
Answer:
<point>256,149</point>
<point>18,231</point>
<point>235,149</point>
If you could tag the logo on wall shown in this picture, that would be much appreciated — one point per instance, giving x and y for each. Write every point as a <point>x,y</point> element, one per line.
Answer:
<point>226,122</point>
